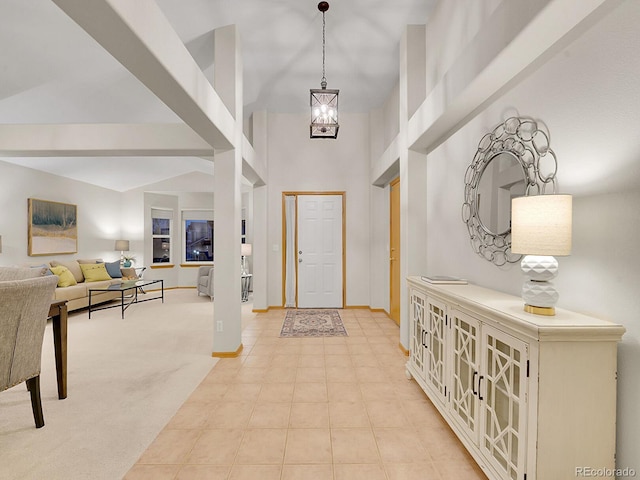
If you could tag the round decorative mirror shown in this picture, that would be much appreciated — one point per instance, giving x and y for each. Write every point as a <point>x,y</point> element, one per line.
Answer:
<point>508,163</point>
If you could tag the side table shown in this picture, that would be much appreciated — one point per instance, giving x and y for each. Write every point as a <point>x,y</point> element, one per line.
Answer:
<point>246,284</point>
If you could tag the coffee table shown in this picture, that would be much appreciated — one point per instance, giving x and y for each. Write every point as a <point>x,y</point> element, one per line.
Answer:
<point>128,294</point>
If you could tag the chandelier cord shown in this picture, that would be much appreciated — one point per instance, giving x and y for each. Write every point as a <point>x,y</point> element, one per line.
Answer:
<point>323,82</point>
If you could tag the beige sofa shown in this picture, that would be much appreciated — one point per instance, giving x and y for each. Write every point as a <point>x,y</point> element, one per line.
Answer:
<point>77,295</point>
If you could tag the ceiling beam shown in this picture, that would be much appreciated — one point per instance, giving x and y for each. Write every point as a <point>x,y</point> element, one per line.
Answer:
<point>141,38</point>
<point>101,140</point>
<point>520,37</point>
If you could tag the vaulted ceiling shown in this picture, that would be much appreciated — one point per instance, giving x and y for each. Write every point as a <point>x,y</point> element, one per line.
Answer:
<point>54,72</point>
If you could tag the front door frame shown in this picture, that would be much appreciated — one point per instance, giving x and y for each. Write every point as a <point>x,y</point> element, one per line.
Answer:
<point>343,194</point>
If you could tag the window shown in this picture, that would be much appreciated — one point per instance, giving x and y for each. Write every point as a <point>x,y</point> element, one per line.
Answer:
<point>198,235</point>
<point>161,224</point>
<point>243,226</point>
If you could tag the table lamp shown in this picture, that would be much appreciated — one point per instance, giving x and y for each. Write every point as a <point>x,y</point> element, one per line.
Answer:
<point>245,251</point>
<point>122,246</point>
<point>540,229</point>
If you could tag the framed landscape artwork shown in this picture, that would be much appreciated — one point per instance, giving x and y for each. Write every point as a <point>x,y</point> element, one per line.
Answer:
<point>52,227</point>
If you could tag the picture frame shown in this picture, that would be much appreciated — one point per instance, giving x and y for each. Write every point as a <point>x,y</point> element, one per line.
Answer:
<point>52,227</point>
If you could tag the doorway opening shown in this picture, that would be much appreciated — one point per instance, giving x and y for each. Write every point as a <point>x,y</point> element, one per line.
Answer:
<point>313,239</point>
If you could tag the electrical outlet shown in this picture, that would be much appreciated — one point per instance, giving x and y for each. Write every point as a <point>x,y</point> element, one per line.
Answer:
<point>219,325</point>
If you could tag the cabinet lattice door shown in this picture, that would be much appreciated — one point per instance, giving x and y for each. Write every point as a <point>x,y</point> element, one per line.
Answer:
<point>435,342</point>
<point>465,352</point>
<point>418,305</point>
<point>503,401</point>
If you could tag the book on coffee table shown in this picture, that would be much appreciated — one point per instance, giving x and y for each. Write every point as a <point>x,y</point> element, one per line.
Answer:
<point>443,280</point>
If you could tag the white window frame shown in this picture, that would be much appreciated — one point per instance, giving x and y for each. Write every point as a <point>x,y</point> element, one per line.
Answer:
<point>162,214</point>
<point>191,215</point>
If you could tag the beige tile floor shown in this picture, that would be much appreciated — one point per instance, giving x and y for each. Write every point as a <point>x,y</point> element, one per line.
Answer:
<point>333,408</point>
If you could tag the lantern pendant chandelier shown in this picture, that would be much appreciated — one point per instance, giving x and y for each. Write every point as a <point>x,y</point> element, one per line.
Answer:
<point>324,102</point>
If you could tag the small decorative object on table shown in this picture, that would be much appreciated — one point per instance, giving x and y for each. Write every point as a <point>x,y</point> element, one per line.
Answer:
<point>128,260</point>
<point>443,280</point>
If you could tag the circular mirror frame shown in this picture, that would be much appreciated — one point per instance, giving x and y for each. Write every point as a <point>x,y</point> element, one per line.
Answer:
<point>529,145</point>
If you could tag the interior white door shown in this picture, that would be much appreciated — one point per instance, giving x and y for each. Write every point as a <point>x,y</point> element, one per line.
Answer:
<point>319,251</point>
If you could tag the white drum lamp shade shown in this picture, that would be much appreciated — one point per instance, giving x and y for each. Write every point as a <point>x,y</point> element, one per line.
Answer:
<point>122,245</point>
<point>541,225</point>
<point>541,229</point>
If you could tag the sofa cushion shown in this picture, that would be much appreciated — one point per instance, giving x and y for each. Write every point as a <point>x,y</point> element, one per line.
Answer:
<point>129,273</point>
<point>73,266</point>
<point>65,277</point>
<point>94,272</point>
<point>101,284</point>
<point>113,269</point>
<point>71,293</point>
<point>90,260</point>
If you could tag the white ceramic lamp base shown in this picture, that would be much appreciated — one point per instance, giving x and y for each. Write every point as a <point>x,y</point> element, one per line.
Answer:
<point>243,266</point>
<point>539,294</point>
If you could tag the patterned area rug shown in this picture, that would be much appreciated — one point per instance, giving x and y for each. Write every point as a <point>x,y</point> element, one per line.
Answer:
<point>313,323</point>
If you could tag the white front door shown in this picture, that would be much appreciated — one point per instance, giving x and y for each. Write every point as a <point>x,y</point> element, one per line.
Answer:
<point>319,251</point>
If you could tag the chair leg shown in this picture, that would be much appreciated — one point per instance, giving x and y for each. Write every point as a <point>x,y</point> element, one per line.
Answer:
<point>33,385</point>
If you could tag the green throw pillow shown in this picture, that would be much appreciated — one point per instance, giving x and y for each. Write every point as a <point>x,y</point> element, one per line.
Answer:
<point>94,272</point>
<point>65,277</point>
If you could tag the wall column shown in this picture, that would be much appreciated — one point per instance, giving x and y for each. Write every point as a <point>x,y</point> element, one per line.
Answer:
<point>227,336</point>
<point>413,172</point>
<point>260,217</point>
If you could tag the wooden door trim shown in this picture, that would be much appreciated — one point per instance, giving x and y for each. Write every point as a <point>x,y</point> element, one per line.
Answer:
<point>297,193</point>
<point>393,183</point>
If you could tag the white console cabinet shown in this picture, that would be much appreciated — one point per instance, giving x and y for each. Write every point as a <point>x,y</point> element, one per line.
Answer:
<point>530,397</point>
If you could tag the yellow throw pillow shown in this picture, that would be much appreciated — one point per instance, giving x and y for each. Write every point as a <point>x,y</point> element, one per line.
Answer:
<point>72,265</point>
<point>94,272</point>
<point>65,277</point>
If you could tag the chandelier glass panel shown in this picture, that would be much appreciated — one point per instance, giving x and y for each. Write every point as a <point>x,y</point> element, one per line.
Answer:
<point>323,101</point>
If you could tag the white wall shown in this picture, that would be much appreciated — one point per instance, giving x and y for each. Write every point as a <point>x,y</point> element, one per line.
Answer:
<point>450,28</point>
<point>587,100</point>
<point>298,163</point>
<point>99,209</point>
<point>390,116</point>
<point>103,216</point>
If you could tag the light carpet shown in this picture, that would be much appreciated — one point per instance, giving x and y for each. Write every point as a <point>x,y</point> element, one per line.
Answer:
<point>126,380</point>
<point>313,323</point>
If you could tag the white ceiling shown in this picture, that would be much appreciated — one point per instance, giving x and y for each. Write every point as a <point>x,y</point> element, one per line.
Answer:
<point>54,72</point>
<point>51,71</point>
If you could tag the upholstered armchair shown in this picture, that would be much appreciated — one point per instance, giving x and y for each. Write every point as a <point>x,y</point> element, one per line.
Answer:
<point>205,280</point>
<point>25,298</point>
